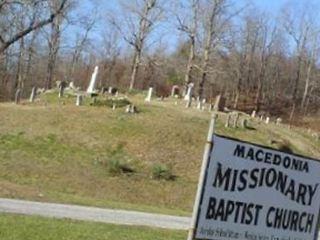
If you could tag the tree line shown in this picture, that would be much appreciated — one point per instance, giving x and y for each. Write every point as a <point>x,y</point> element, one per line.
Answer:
<point>257,61</point>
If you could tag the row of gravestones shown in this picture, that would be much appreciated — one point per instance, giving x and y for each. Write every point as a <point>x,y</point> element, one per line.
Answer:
<point>267,120</point>
<point>61,86</point>
<point>232,120</point>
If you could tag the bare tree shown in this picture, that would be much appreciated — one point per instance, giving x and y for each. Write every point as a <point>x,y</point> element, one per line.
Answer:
<point>34,23</point>
<point>216,20</point>
<point>299,32</point>
<point>189,27</point>
<point>87,23</point>
<point>312,56</point>
<point>141,20</point>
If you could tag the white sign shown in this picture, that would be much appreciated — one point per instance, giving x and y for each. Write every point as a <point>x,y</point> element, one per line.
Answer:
<point>256,193</point>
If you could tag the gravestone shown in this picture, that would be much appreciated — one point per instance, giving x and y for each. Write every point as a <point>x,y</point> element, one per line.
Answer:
<point>91,88</point>
<point>210,107</point>
<point>267,120</point>
<point>175,91</point>
<point>253,114</point>
<point>219,104</point>
<point>114,91</point>
<point>33,94</point>
<point>79,100</point>
<point>188,96</point>
<point>104,90</point>
<point>72,86</point>
<point>244,123</point>
<point>189,103</point>
<point>235,120</point>
<point>149,96</point>
<point>228,121</point>
<point>278,121</point>
<point>62,86</point>
<point>93,101</point>
<point>17,96</point>
<point>131,109</point>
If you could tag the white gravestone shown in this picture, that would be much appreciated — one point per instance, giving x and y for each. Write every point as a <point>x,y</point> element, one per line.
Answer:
<point>91,87</point>
<point>79,100</point>
<point>188,96</point>
<point>267,120</point>
<point>148,98</point>
<point>33,94</point>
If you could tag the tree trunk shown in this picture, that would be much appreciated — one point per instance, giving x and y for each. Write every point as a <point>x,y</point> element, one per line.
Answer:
<point>188,78</point>
<point>19,84</point>
<point>296,80</point>
<point>306,87</point>
<point>135,68</point>
<point>205,64</point>
<point>54,45</point>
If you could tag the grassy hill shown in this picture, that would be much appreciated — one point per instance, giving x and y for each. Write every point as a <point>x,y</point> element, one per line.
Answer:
<point>54,151</point>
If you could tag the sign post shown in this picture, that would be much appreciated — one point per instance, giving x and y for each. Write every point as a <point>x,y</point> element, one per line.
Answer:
<point>252,192</point>
<point>205,161</point>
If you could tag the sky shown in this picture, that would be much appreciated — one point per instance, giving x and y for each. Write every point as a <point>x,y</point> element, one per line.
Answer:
<point>169,37</point>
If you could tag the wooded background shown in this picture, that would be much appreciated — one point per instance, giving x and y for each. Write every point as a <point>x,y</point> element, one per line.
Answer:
<point>256,61</point>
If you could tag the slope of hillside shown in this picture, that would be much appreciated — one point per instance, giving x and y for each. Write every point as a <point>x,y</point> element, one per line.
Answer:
<point>57,152</point>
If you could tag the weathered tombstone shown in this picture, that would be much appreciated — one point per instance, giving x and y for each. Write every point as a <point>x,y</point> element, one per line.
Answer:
<point>267,120</point>
<point>104,90</point>
<point>79,100</point>
<point>128,108</point>
<point>199,103</point>
<point>40,90</point>
<point>149,96</point>
<point>188,96</point>
<point>114,106</point>
<point>210,107</point>
<point>58,84</point>
<point>91,88</point>
<point>175,91</point>
<point>253,114</point>
<point>236,119</point>
<point>219,104</point>
<point>189,103</point>
<point>278,121</point>
<point>113,90</point>
<point>228,121</point>
<point>33,94</point>
<point>62,86</point>
<point>261,117</point>
<point>93,101</point>
<point>131,109</point>
<point>72,86</point>
<point>244,123</point>
<point>17,96</point>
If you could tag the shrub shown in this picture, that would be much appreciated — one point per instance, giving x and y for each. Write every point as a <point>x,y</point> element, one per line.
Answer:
<point>119,102</point>
<point>117,167</point>
<point>162,171</point>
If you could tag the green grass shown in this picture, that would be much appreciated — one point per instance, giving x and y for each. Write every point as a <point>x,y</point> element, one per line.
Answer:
<point>16,227</point>
<point>62,153</point>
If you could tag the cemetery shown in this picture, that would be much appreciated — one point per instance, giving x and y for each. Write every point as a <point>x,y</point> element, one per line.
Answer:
<point>159,119</point>
<point>64,142</point>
